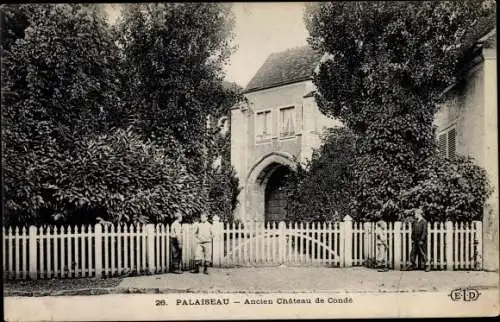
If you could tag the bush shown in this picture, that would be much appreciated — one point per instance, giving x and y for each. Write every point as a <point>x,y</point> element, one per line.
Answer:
<point>321,190</point>
<point>119,178</point>
<point>454,190</point>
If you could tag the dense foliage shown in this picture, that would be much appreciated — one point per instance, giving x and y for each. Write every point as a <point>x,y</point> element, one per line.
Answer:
<point>321,189</point>
<point>131,179</point>
<point>449,190</point>
<point>59,76</point>
<point>222,181</point>
<point>109,122</point>
<point>385,65</point>
<point>173,55</point>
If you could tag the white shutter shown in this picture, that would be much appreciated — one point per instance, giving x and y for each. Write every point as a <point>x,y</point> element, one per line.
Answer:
<point>442,145</point>
<point>452,143</point>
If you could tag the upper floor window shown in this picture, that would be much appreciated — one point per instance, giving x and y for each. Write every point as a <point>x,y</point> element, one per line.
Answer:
<point>447,143</point>
<point>263,125</point>
<point>287,121</point>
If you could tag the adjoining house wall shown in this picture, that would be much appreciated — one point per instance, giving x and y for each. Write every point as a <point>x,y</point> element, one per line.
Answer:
<point>472,109</point>
<point>464,110</point>
<point>490,161</point>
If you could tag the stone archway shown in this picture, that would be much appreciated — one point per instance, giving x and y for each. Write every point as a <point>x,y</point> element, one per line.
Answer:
<point>275,196</point>
<point>268,169</point>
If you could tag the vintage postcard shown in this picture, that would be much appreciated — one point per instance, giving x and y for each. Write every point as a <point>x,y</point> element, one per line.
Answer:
<point>199,161</point>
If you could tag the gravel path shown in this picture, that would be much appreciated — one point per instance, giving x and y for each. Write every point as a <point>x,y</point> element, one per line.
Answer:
<point>313,279</point>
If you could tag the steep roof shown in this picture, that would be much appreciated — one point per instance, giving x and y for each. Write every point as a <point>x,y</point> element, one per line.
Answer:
<point>289,66</point>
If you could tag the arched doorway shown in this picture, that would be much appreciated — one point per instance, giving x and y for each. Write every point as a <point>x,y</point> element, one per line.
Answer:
<point>275,195</point>
<point>270,168</point>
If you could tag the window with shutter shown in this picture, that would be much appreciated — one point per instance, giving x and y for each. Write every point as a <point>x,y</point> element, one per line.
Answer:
<point>452,147</point>
<point>442,145</point>
<point>447,144</point>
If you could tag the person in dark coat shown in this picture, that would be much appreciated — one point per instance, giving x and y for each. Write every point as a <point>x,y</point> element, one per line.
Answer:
<point>419,240</point>
<point>176,242</point>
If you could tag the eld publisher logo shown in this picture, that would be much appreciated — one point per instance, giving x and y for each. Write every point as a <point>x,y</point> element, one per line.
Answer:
<point>466,295</point>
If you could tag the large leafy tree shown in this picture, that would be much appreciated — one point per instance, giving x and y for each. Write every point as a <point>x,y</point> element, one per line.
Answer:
<point>384,67</point>
<point>222,181</point>
<point>173,59</point>
<point>58,71</point>
<point>89,133</point>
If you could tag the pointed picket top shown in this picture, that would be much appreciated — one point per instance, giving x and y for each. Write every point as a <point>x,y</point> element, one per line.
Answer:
<point>16,231</point>
<point>10,230</point>
<point>24,230</point>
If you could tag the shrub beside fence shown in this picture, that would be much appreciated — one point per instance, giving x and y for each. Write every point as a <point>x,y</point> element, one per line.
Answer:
<point>107,250</point>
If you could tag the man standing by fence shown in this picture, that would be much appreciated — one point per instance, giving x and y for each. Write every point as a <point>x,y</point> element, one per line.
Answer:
<point>204,235</point>
<point>176,234</point>
<point>419,241</point>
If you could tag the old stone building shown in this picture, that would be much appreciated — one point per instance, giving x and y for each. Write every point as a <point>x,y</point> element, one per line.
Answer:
<point>280,123</point>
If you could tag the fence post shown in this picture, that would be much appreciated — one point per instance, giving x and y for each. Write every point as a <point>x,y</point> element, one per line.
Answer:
<point>478,245</point>
<point>33,253</point>
<point>98,250</point>
<point>366,242</point>
<point>397,245</point>
<point>282,241</point>
<point>347,237</point>
<point>449,246</point>
<point>217,241</point>
<point>150,253</point>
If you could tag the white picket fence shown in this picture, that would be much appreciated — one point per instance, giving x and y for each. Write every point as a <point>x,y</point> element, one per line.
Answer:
<point>85,251</point>
<point>107,250</point>
<point>451,246</point>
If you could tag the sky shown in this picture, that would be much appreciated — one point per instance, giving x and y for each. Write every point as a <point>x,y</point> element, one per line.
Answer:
<point>260,29</point>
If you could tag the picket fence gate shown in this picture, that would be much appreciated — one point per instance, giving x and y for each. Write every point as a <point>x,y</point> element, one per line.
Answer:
<point>108,250</point>
<point>450,246</point>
